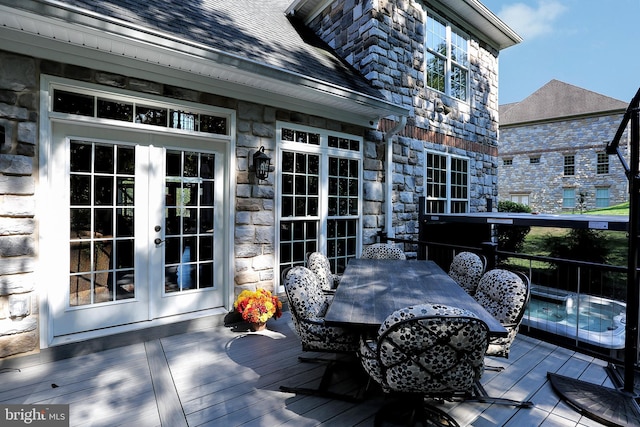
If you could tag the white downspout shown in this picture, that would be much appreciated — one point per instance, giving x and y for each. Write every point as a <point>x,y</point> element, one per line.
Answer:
<point>388,226</point>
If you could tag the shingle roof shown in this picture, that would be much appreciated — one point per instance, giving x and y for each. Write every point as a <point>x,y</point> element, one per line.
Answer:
<point>257,30</point>
<point>555,100</point>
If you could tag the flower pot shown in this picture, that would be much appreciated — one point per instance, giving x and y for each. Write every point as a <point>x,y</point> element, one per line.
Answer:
<point>255,327</point>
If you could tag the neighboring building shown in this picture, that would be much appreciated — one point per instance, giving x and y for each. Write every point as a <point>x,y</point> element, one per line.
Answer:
<point>129,197</point>
<point>552,150</point>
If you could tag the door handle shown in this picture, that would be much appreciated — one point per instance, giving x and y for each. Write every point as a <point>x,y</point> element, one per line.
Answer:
<point>158,240</point>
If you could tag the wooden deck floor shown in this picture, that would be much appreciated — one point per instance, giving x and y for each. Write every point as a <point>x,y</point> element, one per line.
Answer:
<point>223,376</point>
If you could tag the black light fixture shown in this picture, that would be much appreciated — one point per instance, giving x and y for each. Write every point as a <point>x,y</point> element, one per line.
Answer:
<point>261,164</point>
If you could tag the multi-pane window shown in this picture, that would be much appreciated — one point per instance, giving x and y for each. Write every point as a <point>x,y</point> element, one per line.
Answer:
<point>320,195</point>
<point>602,165</point>
<point>507,162</point>
<point>101,246</point>
<point>569,165</point>
<point>130,110</point>
<point>447,58</point>
<point>568,198</point>
<point>447,186</point>
<point>602,197</point>
<point>534,160</point>
<point>523,199</point>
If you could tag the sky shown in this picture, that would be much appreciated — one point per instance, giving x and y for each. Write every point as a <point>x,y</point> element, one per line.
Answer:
<point>592,44</point>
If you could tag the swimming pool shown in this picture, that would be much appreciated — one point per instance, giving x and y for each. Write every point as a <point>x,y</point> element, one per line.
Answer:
<point>590,319</point>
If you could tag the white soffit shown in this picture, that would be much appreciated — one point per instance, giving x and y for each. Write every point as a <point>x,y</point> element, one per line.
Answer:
<point>90,42</point>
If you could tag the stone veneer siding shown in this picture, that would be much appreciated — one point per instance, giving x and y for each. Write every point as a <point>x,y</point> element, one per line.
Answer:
<point>254,203</point>
<point>551,141</point>
<point>384,40</point>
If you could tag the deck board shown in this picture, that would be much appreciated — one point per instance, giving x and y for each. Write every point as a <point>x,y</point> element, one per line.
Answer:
<point>226,376</point>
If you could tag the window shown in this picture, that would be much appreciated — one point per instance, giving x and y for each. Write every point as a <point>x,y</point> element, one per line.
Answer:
<point>507,162</point>
<point>447,186</point>
<point>534,160</point>
<point>569,165</point>
<point>320,195</point>
<point>447,58</point>
<point>126,109</point>
<point>568,198</point>
<point>602,197</point>
<point>602,166</point>
<point>523,199</point>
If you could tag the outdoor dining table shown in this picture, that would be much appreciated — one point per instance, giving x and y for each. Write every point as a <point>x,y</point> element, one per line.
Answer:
<point>372,289</point>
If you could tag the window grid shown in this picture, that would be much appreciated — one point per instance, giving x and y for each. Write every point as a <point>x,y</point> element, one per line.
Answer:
<point>507,162</point>
<point>569,165</point>
<point>447,186</point>
<point>602,166</point>
<point>534,160</point>
<point>304,208</point>
<point>447,58</point>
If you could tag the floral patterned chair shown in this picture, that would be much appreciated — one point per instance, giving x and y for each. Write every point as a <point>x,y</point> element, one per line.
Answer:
<point>319,264</point>
<point>423,351</point>
<point>308,304</point>
<point>505,295</point>
<point>467,269</point>
<point>382,251</point>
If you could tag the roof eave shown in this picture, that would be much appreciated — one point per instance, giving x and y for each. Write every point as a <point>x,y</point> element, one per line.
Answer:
<point>84,40</point>
<point>481,20</point>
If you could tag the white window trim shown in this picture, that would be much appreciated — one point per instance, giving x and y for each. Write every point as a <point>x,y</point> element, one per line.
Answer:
<point>449,27</point>
<point>324,151</point>
<point>448,156</point>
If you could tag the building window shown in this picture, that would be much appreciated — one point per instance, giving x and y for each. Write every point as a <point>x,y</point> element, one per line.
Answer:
<point>534,160</point>
<point>569,165</point>
<point>602,197</point>
<point>320,195</point>
<point>507,162</point>
<point>568,198</point>
<point>523,199</point>
<point>447,56</point>
<point>447,186</point>
<point>602,166</point>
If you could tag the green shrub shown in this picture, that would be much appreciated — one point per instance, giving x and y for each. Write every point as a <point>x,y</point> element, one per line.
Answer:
<point>511,238</point>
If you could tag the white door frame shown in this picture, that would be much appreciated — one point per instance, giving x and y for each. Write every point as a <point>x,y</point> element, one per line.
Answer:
<point>47,225</point>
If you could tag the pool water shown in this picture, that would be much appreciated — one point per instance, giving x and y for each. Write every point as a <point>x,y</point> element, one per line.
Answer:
<point>591,319</point>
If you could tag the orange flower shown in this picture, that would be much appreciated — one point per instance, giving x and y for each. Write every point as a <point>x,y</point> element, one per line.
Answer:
<point>258,306</point>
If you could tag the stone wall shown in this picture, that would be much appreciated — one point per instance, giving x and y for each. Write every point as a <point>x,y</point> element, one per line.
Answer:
<point>551,141</point>
<point>384,40</point>
<point>254,201</point>
<point>18,171</point>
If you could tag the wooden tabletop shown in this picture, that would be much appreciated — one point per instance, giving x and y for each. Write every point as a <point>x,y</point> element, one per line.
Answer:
<point>372,289</point>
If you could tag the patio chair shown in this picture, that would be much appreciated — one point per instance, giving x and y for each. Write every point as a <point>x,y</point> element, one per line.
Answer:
<point>308,305</point>
<point>382,251</point>
<point>428,351</point>
<point>467,269</point>
<point>504,294</point>
<point>319,264</point>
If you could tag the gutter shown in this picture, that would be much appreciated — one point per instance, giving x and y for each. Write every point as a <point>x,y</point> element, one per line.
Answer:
<point>388,226</point>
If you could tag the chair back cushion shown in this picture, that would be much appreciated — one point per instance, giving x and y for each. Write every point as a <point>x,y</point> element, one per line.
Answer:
<point>383,251</point>
<point>431,349</point>
<point>466,269</point>
<point>306,299</point>
<point>503,294</point>
<point>319,264</point>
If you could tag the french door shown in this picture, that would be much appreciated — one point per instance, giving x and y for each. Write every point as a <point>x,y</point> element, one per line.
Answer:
<point>137,216</point>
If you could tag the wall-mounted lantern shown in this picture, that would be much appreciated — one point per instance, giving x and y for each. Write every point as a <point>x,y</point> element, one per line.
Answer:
<point>261,164</point>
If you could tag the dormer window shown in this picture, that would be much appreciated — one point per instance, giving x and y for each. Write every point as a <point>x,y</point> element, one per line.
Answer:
<point>447,58</point>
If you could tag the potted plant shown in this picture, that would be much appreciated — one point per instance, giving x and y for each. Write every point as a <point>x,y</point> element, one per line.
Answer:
<point>256,307</point>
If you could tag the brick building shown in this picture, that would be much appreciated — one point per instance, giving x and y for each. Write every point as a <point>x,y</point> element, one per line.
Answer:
<point>552,150</point>
<point>129,193</point>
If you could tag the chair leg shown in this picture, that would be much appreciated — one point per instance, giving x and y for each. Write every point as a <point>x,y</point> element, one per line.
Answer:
<point>481,395</point>
<point>325,382</point>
